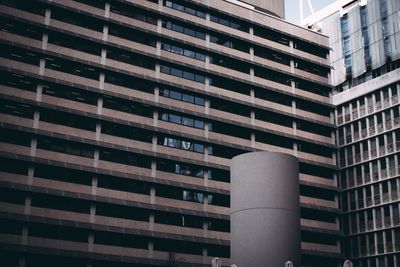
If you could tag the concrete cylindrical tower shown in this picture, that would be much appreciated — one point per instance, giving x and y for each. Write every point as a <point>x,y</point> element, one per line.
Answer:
<point>275,7</point>
<point>265,210</point>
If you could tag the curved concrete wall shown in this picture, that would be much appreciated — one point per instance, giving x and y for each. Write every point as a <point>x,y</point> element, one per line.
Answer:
<point>277,7</point>
<point>265,210</point>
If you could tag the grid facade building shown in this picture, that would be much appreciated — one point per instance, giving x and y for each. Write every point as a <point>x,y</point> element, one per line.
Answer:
<point>119,120</point>
<point>365,55</point>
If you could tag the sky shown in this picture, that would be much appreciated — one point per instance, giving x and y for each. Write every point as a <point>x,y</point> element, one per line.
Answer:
<point>292,8</point>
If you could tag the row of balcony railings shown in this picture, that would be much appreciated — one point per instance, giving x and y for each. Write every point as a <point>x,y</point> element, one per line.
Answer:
<point>366,110</point>
<point>370,154</point>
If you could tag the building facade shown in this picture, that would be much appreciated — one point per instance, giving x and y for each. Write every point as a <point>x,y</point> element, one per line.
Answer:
<point>366,77</point>
<point>119,120</point>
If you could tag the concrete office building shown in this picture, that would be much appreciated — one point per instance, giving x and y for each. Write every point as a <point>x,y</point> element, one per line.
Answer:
<point>119,120</point>
<point>365,55</point>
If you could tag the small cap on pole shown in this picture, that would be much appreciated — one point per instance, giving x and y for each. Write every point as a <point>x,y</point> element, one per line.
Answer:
<point>347,263</point>
<point>288,264</point>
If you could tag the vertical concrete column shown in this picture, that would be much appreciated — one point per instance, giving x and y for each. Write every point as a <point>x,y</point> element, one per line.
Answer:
<point>265,209</point>
<point>102,80</point>
<point>156,94</point>
<point>103,56</point>
<point>107,10</point>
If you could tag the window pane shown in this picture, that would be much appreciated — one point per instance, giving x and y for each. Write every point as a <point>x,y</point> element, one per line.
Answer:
<point>174,118</point>
<point>188,75</point>
<point>188,98</point>
<point>199,101</point>
<point>199,124</point>
<point>175,95</point>
<point>189,53</point>
<point>187,122</point>
<point>176,72</point>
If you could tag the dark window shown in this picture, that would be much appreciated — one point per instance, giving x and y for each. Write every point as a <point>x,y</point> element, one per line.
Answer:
<point>178,119</point>
<point>132,35</point>
<point>123,184</point>
<point>127,106</point>
<point>311,48</point>
<point>313,107</point>
<point>63,174</point>
<point>272,55</point>
<point>230,85</point>
<point>97,3</point>
<point>273,75</point>
<point>231,130</point>
<point>58,232</point>
<point>177,219</point>
<point>129,82</point>
<point>19,54</point>
<point>183,51</point>
<point>186,7</point>
<point>27,30</point>
<point>130,58</point>
<point>12,196</point>
<point>75,43</point>
<point>60,203</point>
<point>18,81</point>
<point>219,225</point>
<point>178,95</point>
<point>78,19</point>
<point>312,68</point>
<point>229,42</point>
<point>225,152</point>
<point>34,7</point>
<point>218,251</point>
<point>313,237</point>
<point>315,170</point>
<point>313,214</point>
<point>178,246</point>
<point>273,117</point>
<point>188,145</point>
<point>219,175</point>
<point>74,68</point>
<point>273,96</point>
<point>271,35</point>
<point>126,131</point>
<point>68,119</point>
<point>13,166</point>
<point>10,227</point>
<point>230,63</point>
<point>123,212</point>
<point>15,137</point>
<point>180,168</point>
<point>315,192</point>
<point>70,93</point>
<point>133,12</point>
<point>127,158</point>
<point>185,74</point>
<point>121,240</point>
<point>314,128</point>
<point>312,87</point>
<point>315,149</point>
<point>229,22</point>
<point>183,29</point>
<point>274,140</point>
<point>64,146</point>
<point>16,109</point>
